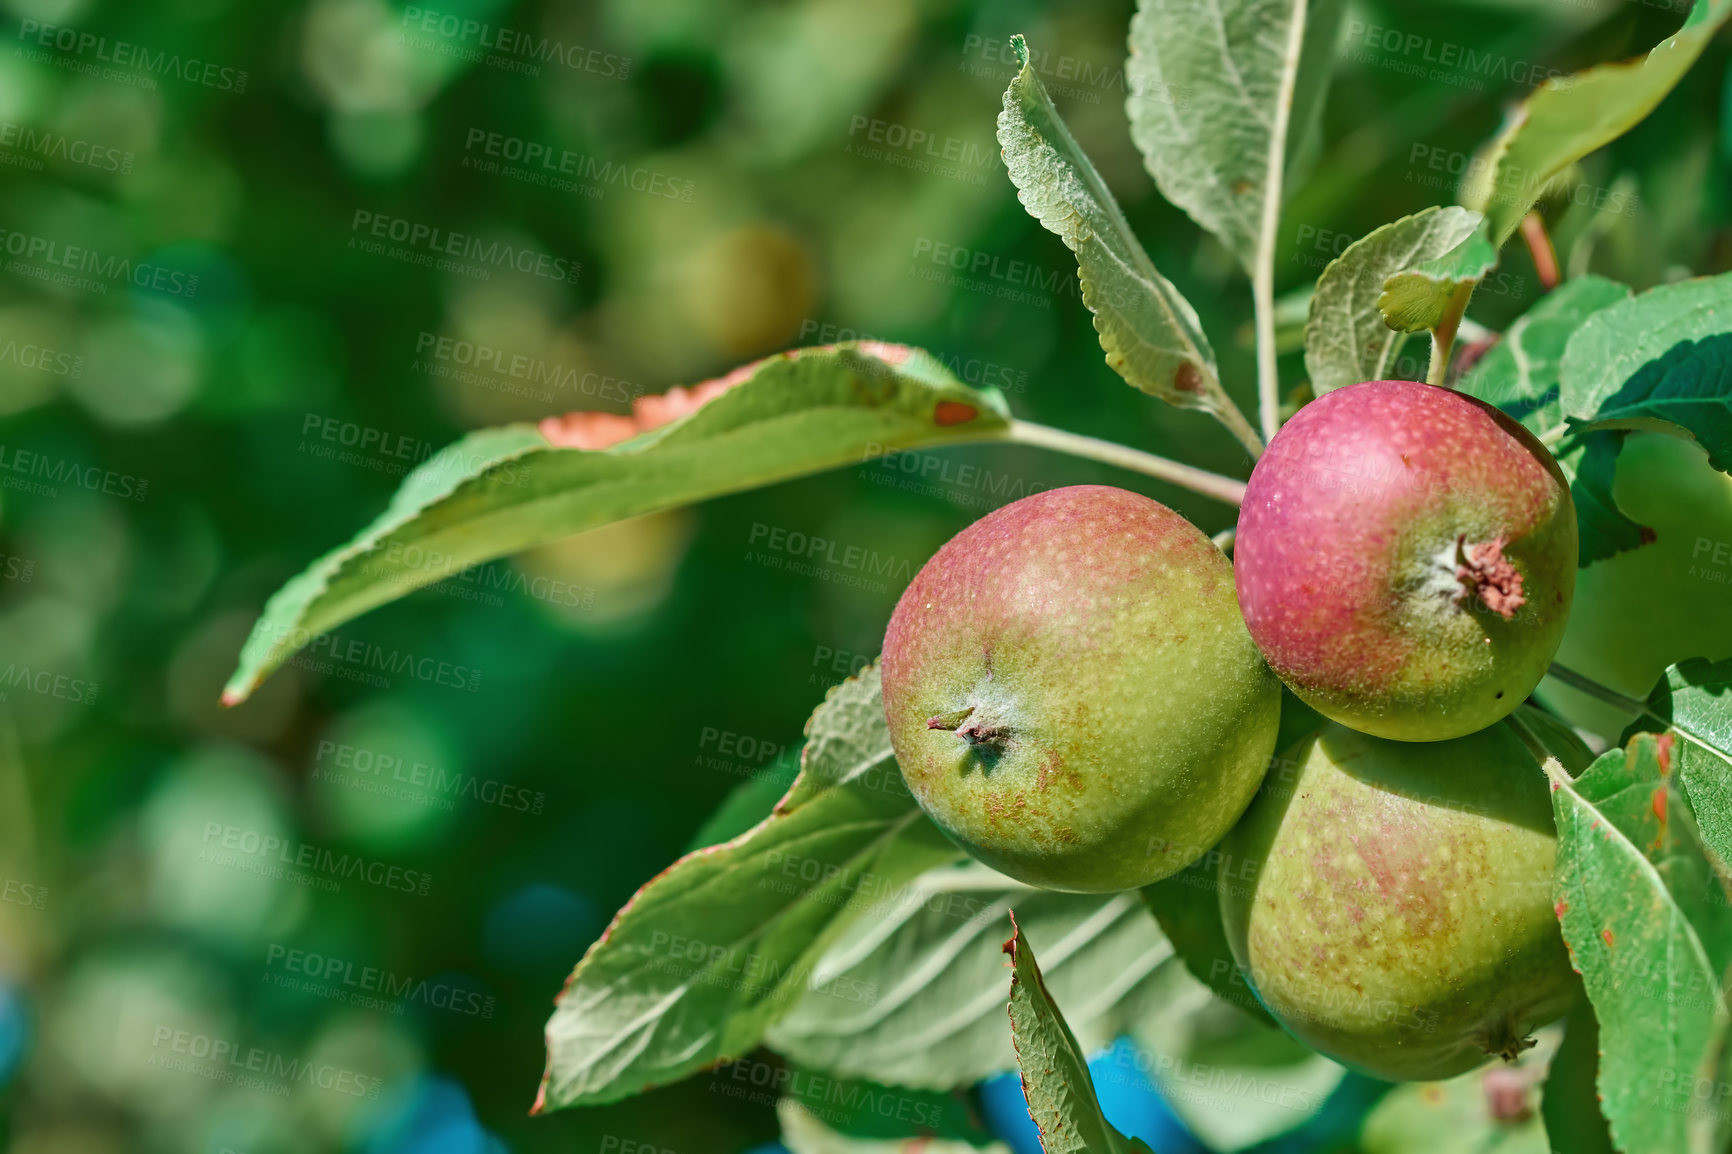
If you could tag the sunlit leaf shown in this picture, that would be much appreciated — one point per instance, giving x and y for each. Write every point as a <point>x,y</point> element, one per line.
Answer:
<point>1221,95</point>
<point>1566,119</point>
<point>1418,299</point>
<point>914,993</point>
<point>1661,361</point>
<point>504,490</point>
<point>1150,333</point>
<point>1346,340</point>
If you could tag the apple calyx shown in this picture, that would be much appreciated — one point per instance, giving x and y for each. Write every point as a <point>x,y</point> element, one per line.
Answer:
<point>971,729</point>
<point>1484,571</point>
<point>1508,1042</point>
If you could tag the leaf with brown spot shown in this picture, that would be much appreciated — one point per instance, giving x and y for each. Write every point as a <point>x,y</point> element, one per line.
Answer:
<point>1649,927</point>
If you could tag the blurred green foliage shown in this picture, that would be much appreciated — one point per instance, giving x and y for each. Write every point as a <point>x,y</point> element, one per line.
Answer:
<point>226,331</point>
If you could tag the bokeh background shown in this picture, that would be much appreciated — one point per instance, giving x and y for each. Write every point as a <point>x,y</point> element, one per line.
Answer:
<point>213,367</point>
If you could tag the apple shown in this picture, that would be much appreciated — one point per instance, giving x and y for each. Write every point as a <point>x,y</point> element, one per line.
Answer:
<point>1661,603</point>
<point>1405,560</point>
<point>1071,692</point>
<point>1390,902</point>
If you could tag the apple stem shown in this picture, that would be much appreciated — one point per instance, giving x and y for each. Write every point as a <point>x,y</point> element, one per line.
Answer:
<point>1224,539</point>
<point>1539,244</point>
<point>1594,689</point>
<point>1443,336</point>
<point>1202,481</point>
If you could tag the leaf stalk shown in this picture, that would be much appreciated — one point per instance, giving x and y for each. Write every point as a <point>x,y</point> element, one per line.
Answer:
<point>1225,489</point>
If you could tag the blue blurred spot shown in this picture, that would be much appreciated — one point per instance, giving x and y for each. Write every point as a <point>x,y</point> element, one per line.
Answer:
<point>537,926</point>
<point>1127,1097</point>
<point>768,1148</point>
<point>432,1116</point>
<point>14,1031</point>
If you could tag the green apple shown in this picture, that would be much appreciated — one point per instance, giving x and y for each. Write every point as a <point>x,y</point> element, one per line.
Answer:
<point>1390,903</point>
<point>1658,604</point>
<point>1071,692</point>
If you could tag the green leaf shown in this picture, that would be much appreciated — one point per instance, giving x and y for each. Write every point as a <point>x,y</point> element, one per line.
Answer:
<point>712,950</point>
<point>1055,1073</point>
<point>1188,908</point>
<point>1519,374</point>
<point>1421,298</point>
<point>1221,94</point>
<point>747,804</point>
<point>1604,530</point>
<point>1694,698</point>
<point>1570,1104</point>
<point>803,1133</point>
<point>1660,361</point>
<point>1150,333</point>
<point>914,994</point>
<point>1615,343</point>
<point>1234,1082</point>
<point>1346,340</point>
<point>1564,120</point>
<point>1649,928</point>
<point>1687,390</point>
<point>503,490</point>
